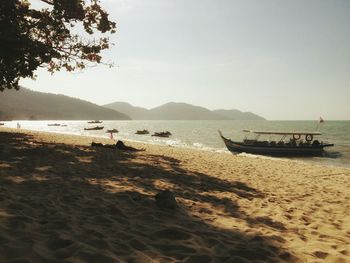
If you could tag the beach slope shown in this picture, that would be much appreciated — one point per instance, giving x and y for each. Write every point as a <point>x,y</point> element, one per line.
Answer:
<point>62,200</point>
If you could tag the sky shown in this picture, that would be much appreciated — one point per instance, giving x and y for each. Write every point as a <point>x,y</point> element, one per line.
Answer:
<point>283,60</point>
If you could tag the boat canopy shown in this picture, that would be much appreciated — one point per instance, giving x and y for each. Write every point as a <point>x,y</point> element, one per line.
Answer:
<point>283,132</point>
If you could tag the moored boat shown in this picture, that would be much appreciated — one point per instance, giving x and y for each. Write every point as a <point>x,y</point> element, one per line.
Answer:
<point>54,124</point>
<point>94,128</point>
<point>142,132</point>
<point>162,134</point>
<point>96,121</point>
<point>1,124</point>
<point>299,144</point>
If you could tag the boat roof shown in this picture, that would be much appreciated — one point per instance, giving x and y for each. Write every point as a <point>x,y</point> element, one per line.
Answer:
<point>284,132</point>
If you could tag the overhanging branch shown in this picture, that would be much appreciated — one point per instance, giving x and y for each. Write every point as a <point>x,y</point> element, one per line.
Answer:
<point>47,2</point>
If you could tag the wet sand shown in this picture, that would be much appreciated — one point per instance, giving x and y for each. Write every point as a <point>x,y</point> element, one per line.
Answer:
<point>64,201</point>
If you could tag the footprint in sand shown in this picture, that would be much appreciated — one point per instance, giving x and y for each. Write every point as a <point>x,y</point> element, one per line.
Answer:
<point>16,251</point>
<point>320,254</point>
<point>58,243</point>
<point>306,219</point>
<point>95,257</point>
<point>199,259</point>
<point>66,252</point>
<point>99,243</point>
<point>137,244</point>
<point>172,233</point>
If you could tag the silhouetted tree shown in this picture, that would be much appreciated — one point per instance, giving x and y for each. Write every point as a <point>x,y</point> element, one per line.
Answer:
<point>49,37</point>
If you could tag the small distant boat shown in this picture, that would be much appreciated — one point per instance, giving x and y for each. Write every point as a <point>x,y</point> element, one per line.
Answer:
<point>112,131</point>
<point>2,123</point>
<point>94,128</point>
<point>296,146</point>
<point>64,125</point>
<point>162,134</point>
<point>54,124</point>
<point>96,121</point>
<point>142,132</point>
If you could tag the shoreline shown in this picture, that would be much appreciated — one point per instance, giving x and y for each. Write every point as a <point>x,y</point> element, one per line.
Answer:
<point>105,139</point>
<point>62,200</point>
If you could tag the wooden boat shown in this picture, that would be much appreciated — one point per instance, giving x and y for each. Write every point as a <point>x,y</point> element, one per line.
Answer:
<point>54,124</point>
<point>112,131</point>
<point>162,134</point>
<point>296,146</point>
<point>94,128</point>
<point>1,124</point>
<point>96,121</point>
<point>142,132</point>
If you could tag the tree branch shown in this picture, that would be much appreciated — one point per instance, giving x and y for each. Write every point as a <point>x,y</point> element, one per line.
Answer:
<point>49,2</point>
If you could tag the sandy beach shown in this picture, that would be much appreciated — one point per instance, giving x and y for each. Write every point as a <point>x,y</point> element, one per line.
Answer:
<point>62,200</point>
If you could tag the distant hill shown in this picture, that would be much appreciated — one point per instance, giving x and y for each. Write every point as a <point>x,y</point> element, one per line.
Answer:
<point>180,111</point>
<point>31,105</point>
<point>239,115</point>
<point>135,113</point>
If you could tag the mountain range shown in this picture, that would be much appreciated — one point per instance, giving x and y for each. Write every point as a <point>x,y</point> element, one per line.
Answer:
<point>180,111</point>
<point>26,104</point>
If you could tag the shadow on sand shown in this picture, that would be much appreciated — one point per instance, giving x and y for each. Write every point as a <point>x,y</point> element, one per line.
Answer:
<point>61,203</point>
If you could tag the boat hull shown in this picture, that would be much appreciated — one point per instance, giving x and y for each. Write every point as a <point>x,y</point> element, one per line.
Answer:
<point>94,129</point>
<point>274,150</point>
<point>142,132</point>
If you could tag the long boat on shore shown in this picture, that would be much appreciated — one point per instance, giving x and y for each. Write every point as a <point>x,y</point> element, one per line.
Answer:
<point>296,146</point>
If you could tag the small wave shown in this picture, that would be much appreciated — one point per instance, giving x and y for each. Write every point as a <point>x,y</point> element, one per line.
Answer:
<point>223,150</point>
<point>259,156</point>
<point>198,145</point>
<point>187,136</point>
<point>174,143</point>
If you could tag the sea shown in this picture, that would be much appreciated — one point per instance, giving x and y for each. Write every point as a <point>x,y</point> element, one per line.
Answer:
<point>203,135</point>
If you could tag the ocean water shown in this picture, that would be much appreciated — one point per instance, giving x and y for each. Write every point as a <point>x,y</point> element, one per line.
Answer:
<point>203,134</point>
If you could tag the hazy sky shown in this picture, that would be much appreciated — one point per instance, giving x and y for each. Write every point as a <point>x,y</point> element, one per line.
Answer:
<point>280,59</point>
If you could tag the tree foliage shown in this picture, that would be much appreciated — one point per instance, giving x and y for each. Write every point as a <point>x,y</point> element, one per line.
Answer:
<point>67,34</point>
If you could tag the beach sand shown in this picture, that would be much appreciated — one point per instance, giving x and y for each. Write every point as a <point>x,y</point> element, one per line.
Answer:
<point>64,201</point>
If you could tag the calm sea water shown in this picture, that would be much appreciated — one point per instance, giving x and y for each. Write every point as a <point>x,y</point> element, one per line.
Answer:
<point>203,134</point>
